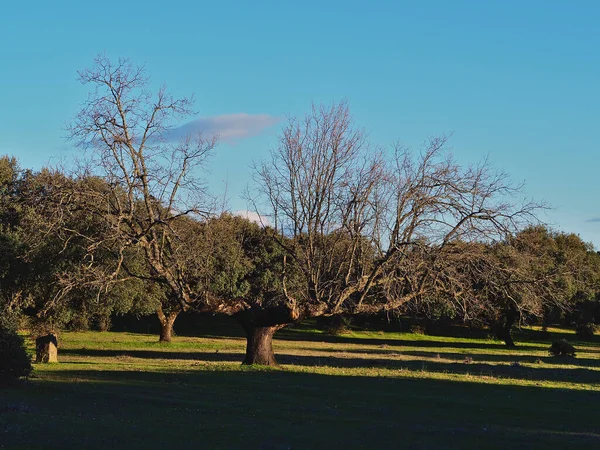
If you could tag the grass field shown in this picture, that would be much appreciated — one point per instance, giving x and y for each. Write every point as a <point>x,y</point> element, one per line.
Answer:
<point>360,390</point>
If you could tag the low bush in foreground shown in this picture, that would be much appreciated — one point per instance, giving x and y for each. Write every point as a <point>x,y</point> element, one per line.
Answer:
<point>15,363</point>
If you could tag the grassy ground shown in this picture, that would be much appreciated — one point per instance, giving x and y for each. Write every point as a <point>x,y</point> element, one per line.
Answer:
<point>359,390</point>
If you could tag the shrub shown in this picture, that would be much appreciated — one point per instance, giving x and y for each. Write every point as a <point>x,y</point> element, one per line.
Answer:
<point>14,360</point>
<point>562,348</point>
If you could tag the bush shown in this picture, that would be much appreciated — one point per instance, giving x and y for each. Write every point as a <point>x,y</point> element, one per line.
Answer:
<point>562,348</point>
<point>14,360</point>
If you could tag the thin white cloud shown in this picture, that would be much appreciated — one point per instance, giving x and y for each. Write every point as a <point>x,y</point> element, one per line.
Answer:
<point>253,217</point>
<point>229,127</point>
<point>595,219</point>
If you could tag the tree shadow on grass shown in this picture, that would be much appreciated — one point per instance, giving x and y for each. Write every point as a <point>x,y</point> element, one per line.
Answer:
<point>491,357</point>
<point>291,335</point>
<point>528,335</point>
<point>509,358</point>
<point>539,373</point>
<point>154,354</point>
<point>311,336</point>
<point>283,409</point>
<point>306,333</point>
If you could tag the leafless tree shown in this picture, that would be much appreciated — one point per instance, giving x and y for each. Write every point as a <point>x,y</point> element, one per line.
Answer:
<point>432,202</point>
<point>149,182</point>
<point>369,232</point>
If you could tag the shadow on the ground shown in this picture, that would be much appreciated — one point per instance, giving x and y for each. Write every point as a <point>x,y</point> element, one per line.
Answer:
<point>528,335</point>
<point>473,367</point>
<point>257,408</point>
<point>292,335</point>
<point>508,357</point>
<point>541,373</point>
<point>154,354</point>
<point>323,338</point>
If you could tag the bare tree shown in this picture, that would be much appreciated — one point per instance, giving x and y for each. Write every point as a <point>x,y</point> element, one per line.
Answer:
<point>320,191</point>
<point>431,204</point>
<point>150,182</point>
<point>367,232</point>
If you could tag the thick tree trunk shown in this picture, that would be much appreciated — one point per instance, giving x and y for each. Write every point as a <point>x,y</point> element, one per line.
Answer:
<point>505,334</point>
<point>259,345</point>
<point>103,323</point>
<point>260,325</point>
<point>504,331</point>
<point>166,324</point>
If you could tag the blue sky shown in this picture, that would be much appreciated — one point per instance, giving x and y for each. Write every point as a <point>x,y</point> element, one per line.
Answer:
<point>518,81</point>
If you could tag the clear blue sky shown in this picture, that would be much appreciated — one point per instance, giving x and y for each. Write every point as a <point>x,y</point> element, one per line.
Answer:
<point>516,80</point>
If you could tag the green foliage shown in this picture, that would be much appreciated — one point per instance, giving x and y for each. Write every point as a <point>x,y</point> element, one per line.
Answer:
<point>46,269</point>
<point>239,259</point>
<point>537,275</point>
<point>15,363</point>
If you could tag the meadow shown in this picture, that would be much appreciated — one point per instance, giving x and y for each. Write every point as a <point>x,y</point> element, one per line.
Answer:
<point>362,389</point>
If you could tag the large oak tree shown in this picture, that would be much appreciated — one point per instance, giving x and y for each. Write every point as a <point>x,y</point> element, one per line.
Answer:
<point>368,231</point>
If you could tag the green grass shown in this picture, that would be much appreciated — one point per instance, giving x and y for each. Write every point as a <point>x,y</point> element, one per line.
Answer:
<point>360,390</point>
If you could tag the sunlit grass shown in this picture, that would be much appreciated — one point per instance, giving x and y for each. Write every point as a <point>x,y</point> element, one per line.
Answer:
<point>370,354</point>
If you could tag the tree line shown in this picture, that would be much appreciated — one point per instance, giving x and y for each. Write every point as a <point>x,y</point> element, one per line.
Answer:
<point>346,229</point>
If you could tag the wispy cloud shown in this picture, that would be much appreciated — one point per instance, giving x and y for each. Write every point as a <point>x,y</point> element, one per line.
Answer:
<point>229,127</point>
<point>595,219</point>
<point>253,217</point>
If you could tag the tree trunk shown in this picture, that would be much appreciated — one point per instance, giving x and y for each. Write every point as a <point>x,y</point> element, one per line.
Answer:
<point>166,324</point>
<point>102,323</point>
<point>504,332</point>
<point>260,325</point>
<point>259,345</point>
